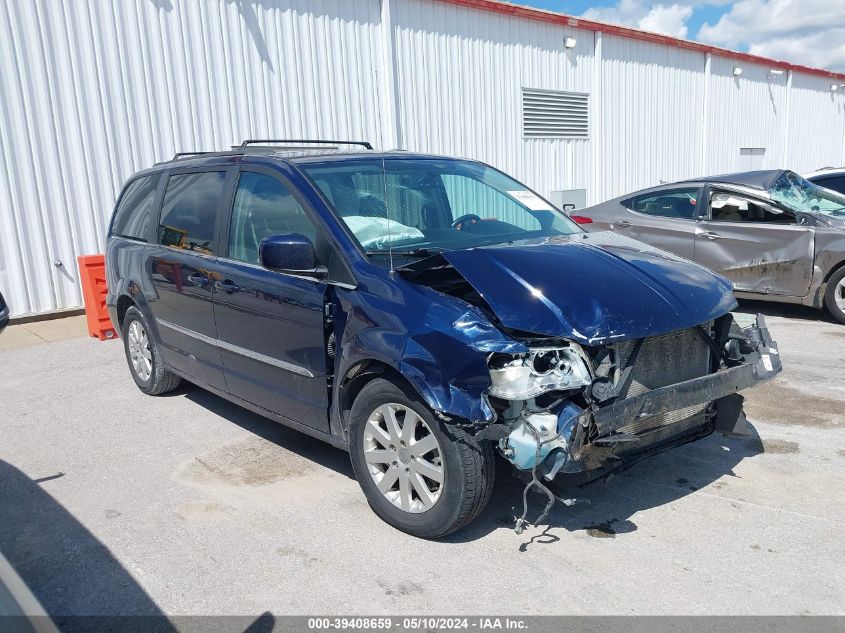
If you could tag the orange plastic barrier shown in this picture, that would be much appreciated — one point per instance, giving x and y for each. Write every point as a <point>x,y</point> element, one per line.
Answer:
<point>92,275</point>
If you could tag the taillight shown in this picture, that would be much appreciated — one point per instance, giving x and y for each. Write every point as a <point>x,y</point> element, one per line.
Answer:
<point>581,219</point>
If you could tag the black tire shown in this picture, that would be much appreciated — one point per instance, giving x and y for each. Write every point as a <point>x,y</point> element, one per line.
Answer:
<point>160,380</point>
<point>833,292</point>
<point>468,466</point>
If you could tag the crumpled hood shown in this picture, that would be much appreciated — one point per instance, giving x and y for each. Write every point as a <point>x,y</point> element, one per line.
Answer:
<point>593,287</point>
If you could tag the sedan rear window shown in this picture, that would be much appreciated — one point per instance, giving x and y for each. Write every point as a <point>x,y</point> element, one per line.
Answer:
<point>677,203</point>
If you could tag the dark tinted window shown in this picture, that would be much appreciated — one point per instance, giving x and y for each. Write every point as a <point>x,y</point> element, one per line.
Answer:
<point>837,183</point>
<point>264,206</point>
<point>677,203</point>
<point>132,217</point>
<point>189,211</point>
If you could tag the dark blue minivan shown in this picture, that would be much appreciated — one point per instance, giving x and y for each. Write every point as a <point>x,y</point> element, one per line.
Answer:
<point>423,313</point>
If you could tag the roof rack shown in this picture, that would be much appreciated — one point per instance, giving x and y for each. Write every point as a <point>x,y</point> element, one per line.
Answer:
<point>364,144</point>
<point>179,155</point>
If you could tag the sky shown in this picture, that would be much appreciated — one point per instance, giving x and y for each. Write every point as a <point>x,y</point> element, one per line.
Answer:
<point>808,32</point>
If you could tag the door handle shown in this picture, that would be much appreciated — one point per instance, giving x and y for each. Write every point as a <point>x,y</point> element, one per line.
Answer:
<point>226,286</point>
<point>623,224</point>
<point>198,279</point>
<point>710,235</point>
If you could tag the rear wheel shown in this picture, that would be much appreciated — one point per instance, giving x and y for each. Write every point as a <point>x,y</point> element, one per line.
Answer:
<point>419,475</point>
<point>834,296</point>
<point>143,356</point>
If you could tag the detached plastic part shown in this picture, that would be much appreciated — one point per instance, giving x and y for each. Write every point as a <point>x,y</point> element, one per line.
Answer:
<point>730,417</point>
<point>92,274</point>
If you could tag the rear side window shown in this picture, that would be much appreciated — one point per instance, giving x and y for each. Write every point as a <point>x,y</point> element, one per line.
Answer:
<point>837,183</point>
<point>678,203</point>
<point>189,211</point>
<point>263,206</point>
<point>132,217</point>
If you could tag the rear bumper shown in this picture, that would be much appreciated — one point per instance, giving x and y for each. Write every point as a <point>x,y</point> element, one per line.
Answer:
<point>598,439</point>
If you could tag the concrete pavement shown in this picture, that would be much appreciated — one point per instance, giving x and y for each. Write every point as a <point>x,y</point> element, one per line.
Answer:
<point>114,502</point>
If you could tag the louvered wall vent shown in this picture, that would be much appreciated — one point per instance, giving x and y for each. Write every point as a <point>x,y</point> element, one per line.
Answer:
<point>554,114</point>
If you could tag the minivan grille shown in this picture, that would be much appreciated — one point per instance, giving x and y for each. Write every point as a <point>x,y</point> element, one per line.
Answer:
<point>665,360</point>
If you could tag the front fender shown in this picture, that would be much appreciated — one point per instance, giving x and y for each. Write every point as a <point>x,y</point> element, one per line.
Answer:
<point>437,343</point>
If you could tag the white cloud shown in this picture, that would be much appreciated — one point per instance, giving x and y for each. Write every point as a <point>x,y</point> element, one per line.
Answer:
<point>668,19</point>
<point>810,32</point>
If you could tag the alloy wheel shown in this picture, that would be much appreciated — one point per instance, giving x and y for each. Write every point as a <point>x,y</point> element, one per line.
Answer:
<point>839,294</point>
<point>139,351</point>
<point>403,457</point>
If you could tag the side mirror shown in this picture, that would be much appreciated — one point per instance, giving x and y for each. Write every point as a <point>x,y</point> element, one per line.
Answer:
<point>290,253</point>
<point>568,207</point>
<point>4,313</point>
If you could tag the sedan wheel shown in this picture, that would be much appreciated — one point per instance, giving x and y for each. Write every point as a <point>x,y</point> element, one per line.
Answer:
<point>403,457</point>
<point>834,298</point>
<point>140,354</point>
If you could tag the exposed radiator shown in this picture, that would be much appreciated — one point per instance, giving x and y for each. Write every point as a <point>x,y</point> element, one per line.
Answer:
<point>665,360</point>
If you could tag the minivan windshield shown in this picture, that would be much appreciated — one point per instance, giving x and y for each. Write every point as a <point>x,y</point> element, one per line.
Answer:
<point>801,195</point>
<point>413,206</point>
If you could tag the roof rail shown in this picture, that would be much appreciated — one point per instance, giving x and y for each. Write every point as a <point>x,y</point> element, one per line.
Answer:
<point>179,155</point>
<point>364,144</point>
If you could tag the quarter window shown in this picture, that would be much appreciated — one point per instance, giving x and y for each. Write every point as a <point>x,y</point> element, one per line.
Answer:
<point>679,203</point>
<point>132,217</point>
<point>189,211</point>
<point>264,206</point>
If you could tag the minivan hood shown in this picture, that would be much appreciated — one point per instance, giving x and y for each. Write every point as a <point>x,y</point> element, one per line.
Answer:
<point>592,287</point>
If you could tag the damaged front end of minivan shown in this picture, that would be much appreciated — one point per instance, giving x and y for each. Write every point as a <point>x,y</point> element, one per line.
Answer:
<point>648,357</point>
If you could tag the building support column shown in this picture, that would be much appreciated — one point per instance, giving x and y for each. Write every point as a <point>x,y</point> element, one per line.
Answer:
<point>785,162</point>
<point>595,192</point>
<point>705,117</point>
<point>389,120</point>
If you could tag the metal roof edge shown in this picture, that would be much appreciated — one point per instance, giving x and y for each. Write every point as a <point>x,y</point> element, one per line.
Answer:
<point>542,15</point>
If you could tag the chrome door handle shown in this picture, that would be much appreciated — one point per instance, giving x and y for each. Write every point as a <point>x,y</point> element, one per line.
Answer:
<point>623,224</point>
<point>710,235</point>
<point>197,279</point>
<point>226,286</point>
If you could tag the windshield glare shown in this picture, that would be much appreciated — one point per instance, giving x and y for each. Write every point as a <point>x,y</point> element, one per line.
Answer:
<point>433,204</point>
<point>801,195</point>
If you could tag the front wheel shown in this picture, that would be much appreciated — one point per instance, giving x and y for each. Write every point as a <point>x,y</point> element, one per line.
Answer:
<point>834,296</point>
<point>418,474</point>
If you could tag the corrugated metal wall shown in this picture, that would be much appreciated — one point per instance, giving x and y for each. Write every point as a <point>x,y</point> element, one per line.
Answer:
<point>650,119</point>
<point>93,90</point>
<point>748,111</point>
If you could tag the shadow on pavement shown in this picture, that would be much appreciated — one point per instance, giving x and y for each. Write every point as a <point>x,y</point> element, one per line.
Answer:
<point>304,445</point>
<point>785,310</point>
<point>63,564</point>
<point>604,509</point>
<point>655,481</point>
<point>81,586</point>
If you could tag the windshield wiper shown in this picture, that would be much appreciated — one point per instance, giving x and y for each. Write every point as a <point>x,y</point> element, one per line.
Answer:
<point>431,250</point>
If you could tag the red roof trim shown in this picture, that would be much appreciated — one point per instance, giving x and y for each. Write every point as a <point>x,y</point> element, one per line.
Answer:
<point>529,13</point>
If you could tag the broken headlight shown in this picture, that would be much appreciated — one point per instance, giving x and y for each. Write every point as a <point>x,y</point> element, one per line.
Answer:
<point>542,369</point>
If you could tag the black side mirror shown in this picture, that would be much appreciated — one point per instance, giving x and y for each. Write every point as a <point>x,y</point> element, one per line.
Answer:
<point>290,253</point>
<point>4,313</point>
<point>568,207</point>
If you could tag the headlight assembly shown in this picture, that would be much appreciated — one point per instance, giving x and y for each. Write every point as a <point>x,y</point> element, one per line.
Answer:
<point>542,369</point>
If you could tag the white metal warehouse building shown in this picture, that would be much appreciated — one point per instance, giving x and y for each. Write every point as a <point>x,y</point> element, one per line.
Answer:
<point>94,90</point>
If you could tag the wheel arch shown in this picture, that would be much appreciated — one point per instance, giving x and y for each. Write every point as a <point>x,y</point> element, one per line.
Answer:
<point>357,377</point>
